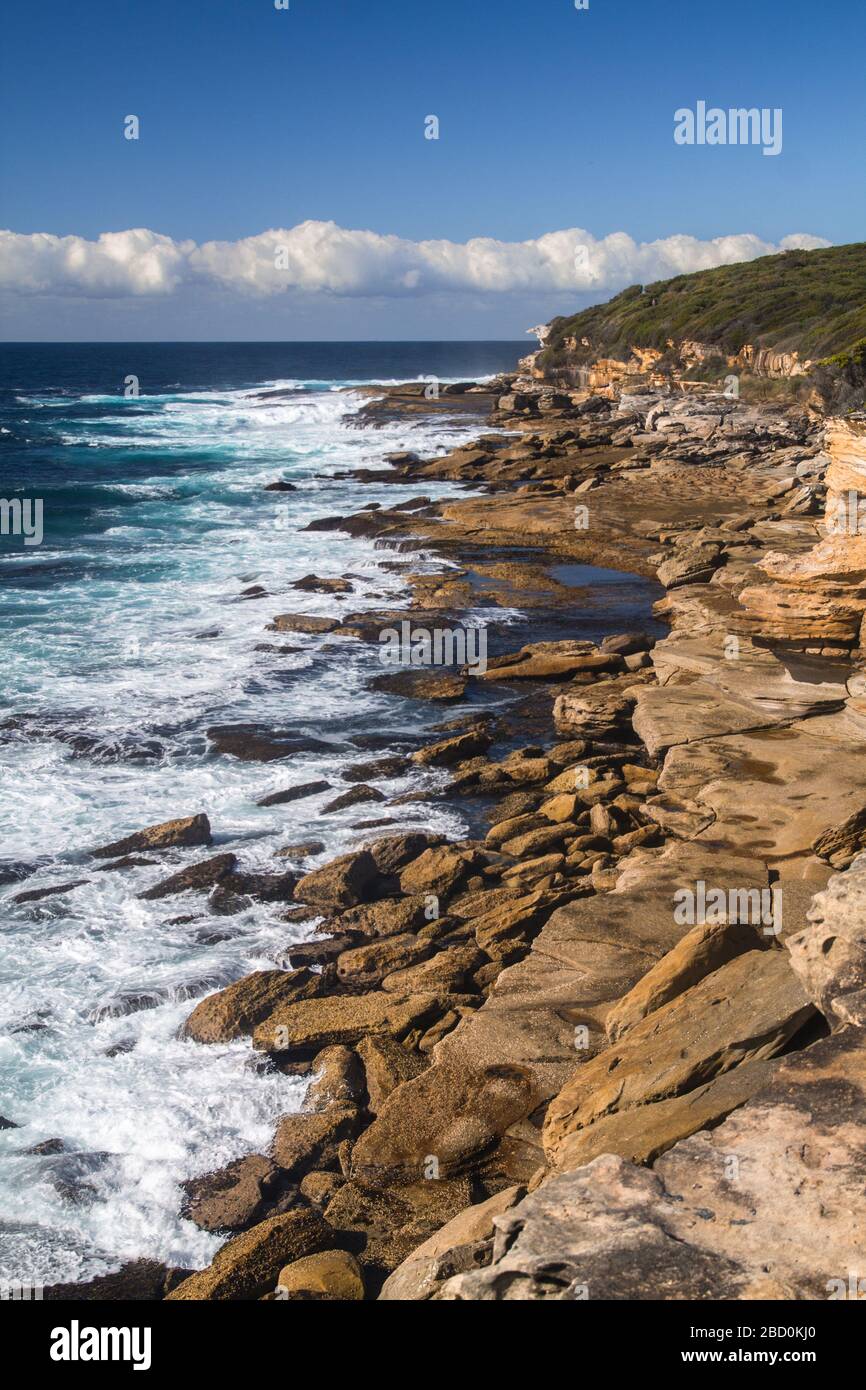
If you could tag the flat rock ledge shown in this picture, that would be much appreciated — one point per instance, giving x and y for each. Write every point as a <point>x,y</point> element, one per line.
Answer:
<point>624,1057</point>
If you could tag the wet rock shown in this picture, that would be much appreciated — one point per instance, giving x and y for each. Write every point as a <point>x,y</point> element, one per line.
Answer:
<point>318,952</point>
<point>12,872</point>
<point>140,1281</point>
<point>302,622</point>
<point>237,1196</point>
<point>197,878</point>
<point>279,486</point>
<point>338,1079</point>
<point>69,1174</point>
<point>35,895</point>
<point>312,584</point>
<point>421,685</point>
<point>186,833</point>
<point>255,743</point>
<point>248,1266</point>
<point>47,1146</point>
<point>129,861</point>
<point>298,793</point>
<point>235,1011</point>
<point>265,888</point>
<point>355,797</point>
<point>120,1005</point>
<point>305,850</point>
<point>379,767</point>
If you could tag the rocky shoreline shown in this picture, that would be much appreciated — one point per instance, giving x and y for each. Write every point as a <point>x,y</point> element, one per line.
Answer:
<point>613,1045</point>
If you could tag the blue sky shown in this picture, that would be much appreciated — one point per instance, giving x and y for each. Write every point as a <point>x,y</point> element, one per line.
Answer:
<point>550,118</point>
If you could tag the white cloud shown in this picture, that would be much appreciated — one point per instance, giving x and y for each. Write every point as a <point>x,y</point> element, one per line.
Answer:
<point>320,257</point>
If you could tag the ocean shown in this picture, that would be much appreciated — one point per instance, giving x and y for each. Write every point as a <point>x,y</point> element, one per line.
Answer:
<point>125,636</point>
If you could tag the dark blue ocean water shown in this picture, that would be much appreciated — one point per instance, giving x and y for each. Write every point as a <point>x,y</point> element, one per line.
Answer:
<point>69,432</point>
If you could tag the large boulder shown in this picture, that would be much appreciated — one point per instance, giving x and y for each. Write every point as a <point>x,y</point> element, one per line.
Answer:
<point>390,917</point>
<point>237,1196</point>
<point>331,1275</point>
<point>387,1064</point>
<point>447,972</point>
<point>501,931</point>
<point>234,1012</point>
<point>248,1266</point>
<point>338,1078</point>
<point>605,1231</point>
<point>305,1028</point>
<point>439,870</point>
<point>198,878</point>
<point>746,1010</point>
<point>392,853</point>
<point>769,1204</point>
<point>443,1120</point>
<point>644,1132</point>
<point>184,833</point>
<point>454,749</point>
<point>311,1139</point>
<point>702,950</point>
<point>345,882</point>
<point>365,965</point>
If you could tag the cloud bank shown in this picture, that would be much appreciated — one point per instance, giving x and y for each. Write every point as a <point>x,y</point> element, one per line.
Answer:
<point>322,258</point>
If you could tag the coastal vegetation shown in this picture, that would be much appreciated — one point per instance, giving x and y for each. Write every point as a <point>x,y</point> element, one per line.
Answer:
<point>808,303</point>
